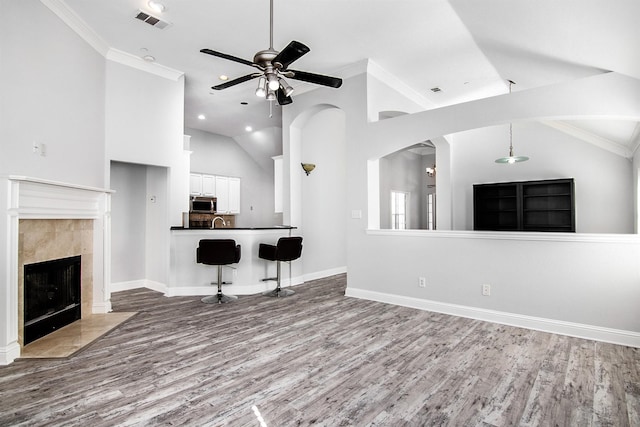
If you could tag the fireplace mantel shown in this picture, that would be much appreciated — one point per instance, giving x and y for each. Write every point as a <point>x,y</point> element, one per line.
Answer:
<point>24,197</point>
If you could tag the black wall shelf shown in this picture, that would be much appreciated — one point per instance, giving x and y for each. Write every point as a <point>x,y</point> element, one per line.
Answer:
<point>546,205</point>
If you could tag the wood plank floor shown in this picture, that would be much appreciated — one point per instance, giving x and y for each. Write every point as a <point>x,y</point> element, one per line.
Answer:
<point>320,358</point>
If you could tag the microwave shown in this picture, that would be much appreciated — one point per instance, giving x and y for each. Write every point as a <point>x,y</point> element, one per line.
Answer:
<point>203,204</point>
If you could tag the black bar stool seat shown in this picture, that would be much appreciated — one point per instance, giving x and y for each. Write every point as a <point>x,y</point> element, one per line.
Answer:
<point>218,252</point>
<point>286,250</point>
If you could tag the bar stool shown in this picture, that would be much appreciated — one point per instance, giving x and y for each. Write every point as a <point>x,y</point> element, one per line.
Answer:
<point>218,252</point>
<point>287,249</point>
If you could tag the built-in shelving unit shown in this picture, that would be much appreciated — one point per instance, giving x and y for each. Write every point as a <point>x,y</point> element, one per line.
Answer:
<point>546,205</point>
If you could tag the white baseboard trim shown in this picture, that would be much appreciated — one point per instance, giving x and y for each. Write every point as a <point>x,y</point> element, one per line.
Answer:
<point>135,284</point>
<point>578,330</point>
<point>325,273</point>
<point>101,308</point>
<point>9,353</point>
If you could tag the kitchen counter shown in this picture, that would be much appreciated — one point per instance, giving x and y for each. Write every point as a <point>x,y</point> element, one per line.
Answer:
<point>187,277</point>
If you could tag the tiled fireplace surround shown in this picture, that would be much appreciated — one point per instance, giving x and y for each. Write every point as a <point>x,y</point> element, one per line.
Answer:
<point>48,239</point>
<point>48,220</point>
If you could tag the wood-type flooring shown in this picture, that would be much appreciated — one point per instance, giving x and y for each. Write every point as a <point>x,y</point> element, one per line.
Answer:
<point>320,358</point>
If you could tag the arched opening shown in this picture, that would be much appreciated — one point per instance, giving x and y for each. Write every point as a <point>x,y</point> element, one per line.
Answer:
<point>407,186</point>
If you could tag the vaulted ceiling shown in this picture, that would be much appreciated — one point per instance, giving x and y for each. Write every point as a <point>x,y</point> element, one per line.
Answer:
<point>468,49</point>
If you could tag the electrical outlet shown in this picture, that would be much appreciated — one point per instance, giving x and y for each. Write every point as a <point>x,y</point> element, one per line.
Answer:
<point>422,282</point>
<point>486,290</point>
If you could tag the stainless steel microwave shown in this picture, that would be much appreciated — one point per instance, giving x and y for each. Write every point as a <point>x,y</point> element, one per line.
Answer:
<point>203,204</point>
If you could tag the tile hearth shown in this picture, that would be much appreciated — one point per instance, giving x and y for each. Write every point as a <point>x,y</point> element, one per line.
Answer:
<point>74,337</point>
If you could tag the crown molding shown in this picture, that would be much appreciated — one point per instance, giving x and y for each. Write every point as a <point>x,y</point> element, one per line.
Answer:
<point>77,24</point>
<point>133,61</point>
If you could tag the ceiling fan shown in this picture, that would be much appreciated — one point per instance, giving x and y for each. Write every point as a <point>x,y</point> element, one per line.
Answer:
<point>274,66</point>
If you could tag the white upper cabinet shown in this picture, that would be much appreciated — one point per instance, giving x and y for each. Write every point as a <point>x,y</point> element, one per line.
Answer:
<point>225,189</point>
<point>195,184</point>
<point>222,194</point>
<point>208,185</point>
<point>234,195</point>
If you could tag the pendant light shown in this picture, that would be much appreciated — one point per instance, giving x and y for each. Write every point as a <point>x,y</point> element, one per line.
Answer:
<point>511,159</point>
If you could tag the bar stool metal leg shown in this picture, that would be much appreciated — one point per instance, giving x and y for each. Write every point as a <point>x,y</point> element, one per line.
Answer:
<point>278,291</point>
<point>219,298</point>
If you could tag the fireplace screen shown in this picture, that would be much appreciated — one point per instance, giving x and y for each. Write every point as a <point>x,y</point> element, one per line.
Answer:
<point>51,296</point>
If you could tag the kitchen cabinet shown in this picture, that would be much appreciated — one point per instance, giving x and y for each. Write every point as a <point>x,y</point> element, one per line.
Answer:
<point>208,185</point>
<point>234,195</point>
<point>195,184</point>
<point>228,194</point>
<point>546,205</point>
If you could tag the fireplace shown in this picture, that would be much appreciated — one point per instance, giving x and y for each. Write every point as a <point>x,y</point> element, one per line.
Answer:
<point>51,296</point>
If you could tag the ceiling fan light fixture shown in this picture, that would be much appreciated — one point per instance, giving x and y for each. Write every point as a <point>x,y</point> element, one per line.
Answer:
<point>261,91</point>
<point>271,95</point>
<point>273,82</point>
<point>286,88</point>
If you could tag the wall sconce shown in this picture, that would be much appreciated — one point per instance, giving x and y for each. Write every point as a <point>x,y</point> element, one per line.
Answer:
<point>308,167</point>
<point>431,171</point>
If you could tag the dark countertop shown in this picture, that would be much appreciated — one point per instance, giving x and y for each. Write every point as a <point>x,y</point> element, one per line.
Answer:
<point>273,227</point>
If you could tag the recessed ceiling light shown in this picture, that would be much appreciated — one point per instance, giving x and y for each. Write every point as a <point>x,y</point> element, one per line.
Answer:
<point>156,6</point>
<point>248,128</point>
<point>149,58</point>
<point>201,116</point>
<point>223,77</point>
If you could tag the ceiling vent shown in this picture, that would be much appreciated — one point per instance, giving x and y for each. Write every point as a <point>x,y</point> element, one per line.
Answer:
<point>152,20</point>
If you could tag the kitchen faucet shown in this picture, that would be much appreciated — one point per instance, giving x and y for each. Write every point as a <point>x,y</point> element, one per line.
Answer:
<point>213,223</point>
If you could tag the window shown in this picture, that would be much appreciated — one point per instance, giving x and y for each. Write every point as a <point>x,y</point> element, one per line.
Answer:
<point>399,202</point>
<point>431,198</point>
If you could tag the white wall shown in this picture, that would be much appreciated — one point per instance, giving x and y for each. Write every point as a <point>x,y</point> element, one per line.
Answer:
<point>128,217</point>
<point>144,125</point>
<point>603,180</point>
<point>220,155</point>
<point>52,87</point>
<point>542,280</point>
<point>324,195</point>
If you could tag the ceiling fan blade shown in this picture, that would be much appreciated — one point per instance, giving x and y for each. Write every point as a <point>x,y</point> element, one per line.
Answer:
<point>318,79</point>
<point>229,57</point>
<point>289,54</point>
<point>282,98</point>
<point>236,81</point>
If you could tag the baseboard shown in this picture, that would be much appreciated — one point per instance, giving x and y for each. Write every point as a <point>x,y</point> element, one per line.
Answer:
<point>135,284</point>
<point>9,353</point>
<point>578,330</point>
<point>325,273</point>
<point>184,291</point>
<point>101,308</point>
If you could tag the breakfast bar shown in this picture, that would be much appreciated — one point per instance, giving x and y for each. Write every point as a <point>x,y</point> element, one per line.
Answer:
<point>187,277</point>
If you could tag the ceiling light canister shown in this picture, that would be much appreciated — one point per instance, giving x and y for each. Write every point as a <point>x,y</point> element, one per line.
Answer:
<point>156,6</point>
<point>274,84</point>
<point>261,91</point>
<point>271,95</point>
<point>288,90</point>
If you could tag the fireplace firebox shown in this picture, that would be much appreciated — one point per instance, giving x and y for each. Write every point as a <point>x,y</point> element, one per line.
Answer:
<point>51,296</point>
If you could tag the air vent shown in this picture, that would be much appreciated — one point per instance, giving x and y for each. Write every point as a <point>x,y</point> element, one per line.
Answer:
<point>152,20</point>
<point>436,89</point>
